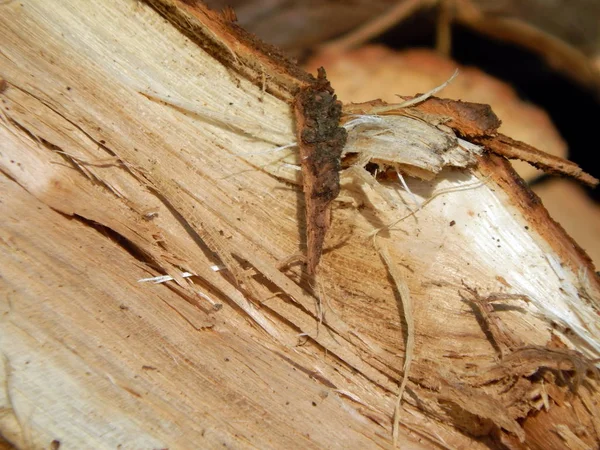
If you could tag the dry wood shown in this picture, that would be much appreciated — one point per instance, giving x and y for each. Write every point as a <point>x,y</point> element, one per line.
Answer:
<point>512,149</point>
<point>480,124</point>
<point>102,186</point>
<point>378,72</point>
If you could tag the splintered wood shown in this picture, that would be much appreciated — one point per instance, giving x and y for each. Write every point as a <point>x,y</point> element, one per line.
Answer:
<point>320,141</point>
<point>100,186</point>
<point>473,121</point>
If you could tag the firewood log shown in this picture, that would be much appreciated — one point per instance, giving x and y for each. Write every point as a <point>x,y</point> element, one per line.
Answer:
<point>156,140</point>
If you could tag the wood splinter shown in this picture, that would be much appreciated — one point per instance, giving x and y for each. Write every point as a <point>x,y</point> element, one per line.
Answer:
<point>320,140</point>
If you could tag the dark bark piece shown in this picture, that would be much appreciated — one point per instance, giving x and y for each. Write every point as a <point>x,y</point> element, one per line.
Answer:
<point>320,140</point>
<point>468,119</point>
<point>513,149</point>
<point>471,119</point>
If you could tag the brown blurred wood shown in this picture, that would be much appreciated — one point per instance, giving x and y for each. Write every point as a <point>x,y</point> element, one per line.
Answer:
<point>297,26</point>
<point>565,33</point>
<point>145,138</point>
<point>5,445</point>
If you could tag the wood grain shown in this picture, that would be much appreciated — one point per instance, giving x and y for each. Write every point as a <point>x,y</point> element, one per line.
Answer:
<point>106,180</point>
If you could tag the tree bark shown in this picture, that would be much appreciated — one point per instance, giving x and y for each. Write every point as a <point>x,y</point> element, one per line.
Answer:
<point>141,139</point>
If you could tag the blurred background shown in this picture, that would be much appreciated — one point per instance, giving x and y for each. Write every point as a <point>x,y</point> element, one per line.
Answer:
<point>536,62</point>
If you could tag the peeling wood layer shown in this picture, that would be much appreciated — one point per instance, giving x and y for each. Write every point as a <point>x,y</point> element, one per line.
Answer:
<point>478,123</point>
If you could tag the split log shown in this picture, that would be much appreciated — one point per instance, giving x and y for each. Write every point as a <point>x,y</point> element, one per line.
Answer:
<point>142,139</point>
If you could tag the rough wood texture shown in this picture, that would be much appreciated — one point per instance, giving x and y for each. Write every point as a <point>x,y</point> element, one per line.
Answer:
<point>378,72</point>
<point>103,184</point>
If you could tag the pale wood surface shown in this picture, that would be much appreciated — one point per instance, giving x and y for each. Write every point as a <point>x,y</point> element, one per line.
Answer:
<point>76,372</point>
<point>102,186</point>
